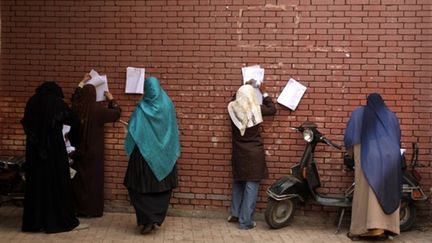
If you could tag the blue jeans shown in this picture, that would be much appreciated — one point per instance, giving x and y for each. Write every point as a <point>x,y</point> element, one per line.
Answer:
<point>243,202</point>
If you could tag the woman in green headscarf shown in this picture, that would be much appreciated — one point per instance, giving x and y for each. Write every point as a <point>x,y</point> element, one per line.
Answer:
<point>153,146</point>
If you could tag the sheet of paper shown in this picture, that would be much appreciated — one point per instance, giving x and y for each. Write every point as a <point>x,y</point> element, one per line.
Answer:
<point>135,80</point>
<point>253,72</point>
<point>69,147</point>
<point>291,94</point>
<point>101,84</point>
<point>101,88</point>
<point>259,95</point>
<point>66,129</point>
<point>72,172</point>
<point>96,79</point>
<point>256,73</point>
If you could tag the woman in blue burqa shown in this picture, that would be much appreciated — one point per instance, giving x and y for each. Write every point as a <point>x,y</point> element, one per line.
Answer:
<point>48,196</point>
<point>153,146</point>
<point>373,138</point>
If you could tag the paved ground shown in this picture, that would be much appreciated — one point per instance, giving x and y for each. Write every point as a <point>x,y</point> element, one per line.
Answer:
<point>121,227</point>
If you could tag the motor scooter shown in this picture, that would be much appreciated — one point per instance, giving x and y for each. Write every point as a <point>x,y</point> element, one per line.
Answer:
<point>411,190</point>
<point>12,174</point>
<point>12,179</point>
<point>301,184</point>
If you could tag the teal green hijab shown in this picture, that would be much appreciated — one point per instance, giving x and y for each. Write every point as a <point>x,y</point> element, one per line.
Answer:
<point>153,129</point>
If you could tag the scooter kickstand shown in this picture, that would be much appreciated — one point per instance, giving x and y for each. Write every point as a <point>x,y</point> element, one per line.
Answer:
<point>340,220</point>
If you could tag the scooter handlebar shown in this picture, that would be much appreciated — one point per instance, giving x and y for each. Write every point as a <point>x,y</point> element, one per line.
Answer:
<point>329,142</point>
<point>298,129</point>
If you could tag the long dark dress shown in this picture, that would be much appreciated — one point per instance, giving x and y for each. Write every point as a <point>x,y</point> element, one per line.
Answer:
<point>48,198</point>
<point>88,183</point>
<point>149,196</point>
<point>248,157</point>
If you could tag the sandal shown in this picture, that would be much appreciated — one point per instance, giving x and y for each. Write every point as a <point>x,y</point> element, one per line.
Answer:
<point>353,237</point>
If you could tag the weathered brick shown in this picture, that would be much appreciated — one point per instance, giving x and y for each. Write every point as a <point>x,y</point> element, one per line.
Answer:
<point>340,49</point>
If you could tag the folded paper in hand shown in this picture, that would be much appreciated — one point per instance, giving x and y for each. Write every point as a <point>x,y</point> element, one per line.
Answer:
<point>291,94</point>
<point>254,73</point>
<point>101,84</point>
<point>135,80</point>
<point>65,131</point>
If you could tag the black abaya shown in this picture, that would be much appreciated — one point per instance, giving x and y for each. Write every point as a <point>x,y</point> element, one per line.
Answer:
<point>48,202</point>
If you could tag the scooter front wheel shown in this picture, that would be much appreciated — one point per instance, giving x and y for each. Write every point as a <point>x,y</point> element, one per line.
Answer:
<point>280,213</point>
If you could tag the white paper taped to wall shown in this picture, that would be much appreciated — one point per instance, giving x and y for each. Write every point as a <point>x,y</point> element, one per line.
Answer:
<point>291,94</point>
<point>135,80</point>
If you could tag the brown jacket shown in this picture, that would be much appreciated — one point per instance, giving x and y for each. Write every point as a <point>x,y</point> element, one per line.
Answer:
<point>248,156</point>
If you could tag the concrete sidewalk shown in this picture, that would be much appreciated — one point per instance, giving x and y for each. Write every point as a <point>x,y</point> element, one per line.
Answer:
<point>121,227</point>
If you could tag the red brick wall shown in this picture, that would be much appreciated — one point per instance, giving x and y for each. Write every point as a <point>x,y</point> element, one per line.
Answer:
<point>340,49</point>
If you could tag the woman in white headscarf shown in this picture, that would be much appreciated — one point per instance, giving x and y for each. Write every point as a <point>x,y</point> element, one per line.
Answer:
<point>248,157</point>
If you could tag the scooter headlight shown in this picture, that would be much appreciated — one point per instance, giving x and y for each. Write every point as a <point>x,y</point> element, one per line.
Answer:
<point>308,135</point>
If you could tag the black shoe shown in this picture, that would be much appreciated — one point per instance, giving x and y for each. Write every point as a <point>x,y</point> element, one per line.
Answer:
<point>253,225</point>
<point>147,229</point>
<point>353,237</point>
<point>381,237</point>
<point>232,219</point>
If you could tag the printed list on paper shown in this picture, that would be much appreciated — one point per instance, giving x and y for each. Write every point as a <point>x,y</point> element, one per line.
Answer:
<point>291,94</point>
<point>135,80</point>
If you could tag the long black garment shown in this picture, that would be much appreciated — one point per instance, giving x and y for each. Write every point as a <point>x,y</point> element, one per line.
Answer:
<point>48,199</point>
<point>149,196</point>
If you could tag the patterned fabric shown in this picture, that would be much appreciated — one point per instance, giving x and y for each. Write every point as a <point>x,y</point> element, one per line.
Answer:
<point>245,110</point>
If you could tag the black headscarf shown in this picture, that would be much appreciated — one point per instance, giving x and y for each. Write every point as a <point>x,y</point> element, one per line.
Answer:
<point>42,114</point>
<point>50,88</point>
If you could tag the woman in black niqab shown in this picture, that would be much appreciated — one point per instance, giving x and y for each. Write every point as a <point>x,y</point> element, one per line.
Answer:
<point>48,202</point>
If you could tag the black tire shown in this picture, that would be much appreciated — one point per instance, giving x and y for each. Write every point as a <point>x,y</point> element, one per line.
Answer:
<point>408,213</point>
<point>280,213</point>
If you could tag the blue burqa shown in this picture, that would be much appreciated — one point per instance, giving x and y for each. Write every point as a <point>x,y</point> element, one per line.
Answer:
<point>153,129</point>
<point>377,129</point>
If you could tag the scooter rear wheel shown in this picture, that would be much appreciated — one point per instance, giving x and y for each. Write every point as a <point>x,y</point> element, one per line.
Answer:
<point>407,214</point>
<point>279,214</point>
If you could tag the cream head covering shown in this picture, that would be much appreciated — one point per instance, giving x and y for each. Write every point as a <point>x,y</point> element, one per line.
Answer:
<point>245,110</point>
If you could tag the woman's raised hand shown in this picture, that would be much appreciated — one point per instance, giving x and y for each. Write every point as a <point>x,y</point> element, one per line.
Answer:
<point>86,78</point>
<point>108,95</point>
